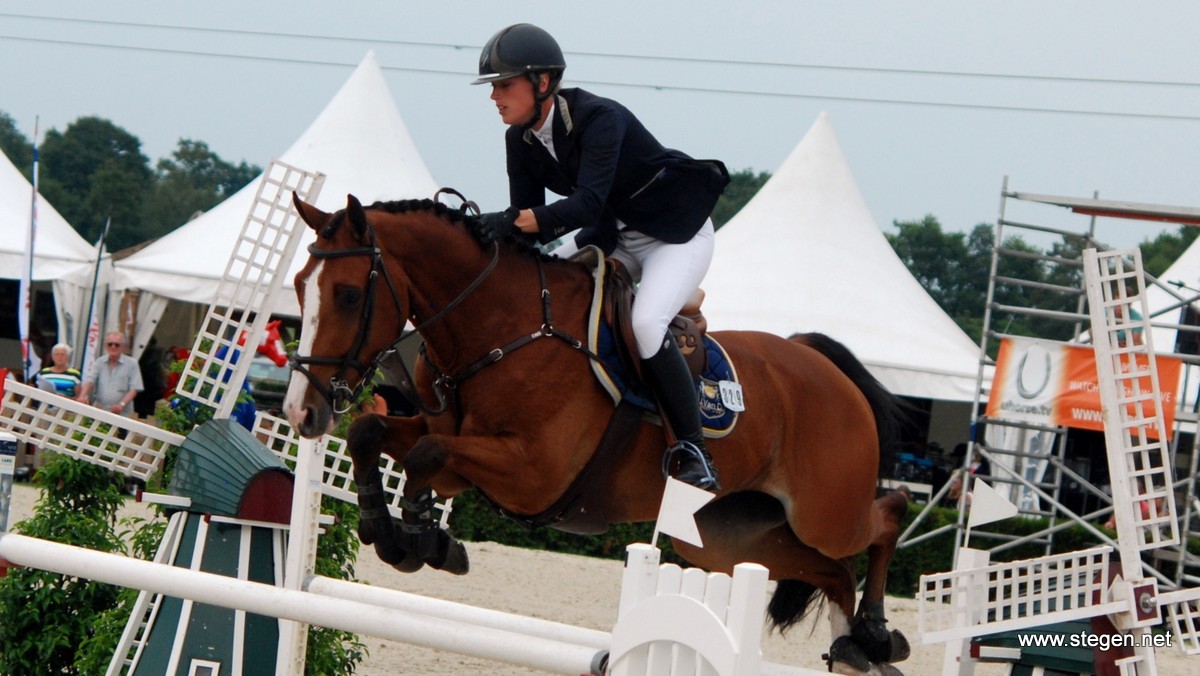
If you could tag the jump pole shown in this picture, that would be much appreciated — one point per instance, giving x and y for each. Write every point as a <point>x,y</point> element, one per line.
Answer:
<point>458,612</point>
<point>352,616</point>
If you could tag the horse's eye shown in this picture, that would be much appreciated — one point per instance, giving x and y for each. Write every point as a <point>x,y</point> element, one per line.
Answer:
<point>348,297</point>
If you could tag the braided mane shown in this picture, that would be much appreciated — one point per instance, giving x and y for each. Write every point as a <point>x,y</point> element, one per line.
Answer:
<point>439,209</point>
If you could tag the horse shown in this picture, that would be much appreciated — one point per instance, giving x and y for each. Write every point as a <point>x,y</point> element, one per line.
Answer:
<point>509,407</point>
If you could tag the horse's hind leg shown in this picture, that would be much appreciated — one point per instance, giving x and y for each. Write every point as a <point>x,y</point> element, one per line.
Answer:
<point>364,441</point>
<point>751,527</point>
<point>869,629</point>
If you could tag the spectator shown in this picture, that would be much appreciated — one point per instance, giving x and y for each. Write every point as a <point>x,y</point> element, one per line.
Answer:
<point>115,380</point>
<point>59,377</point>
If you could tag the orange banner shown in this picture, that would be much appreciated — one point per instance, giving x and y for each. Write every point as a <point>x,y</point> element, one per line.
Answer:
<point>1055,383</point>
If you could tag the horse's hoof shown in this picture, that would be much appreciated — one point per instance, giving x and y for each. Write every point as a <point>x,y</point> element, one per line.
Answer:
<point>846,657</point>
<point>455,560</point>
<point>884,669</point>
<point>900,648</point>
<point>441,551</point>
<point>880,645</point>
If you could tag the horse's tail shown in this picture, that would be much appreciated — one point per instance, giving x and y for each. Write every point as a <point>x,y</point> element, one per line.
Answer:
<point>792,598</point>
<point>789,604</point>
<point>887,407</point>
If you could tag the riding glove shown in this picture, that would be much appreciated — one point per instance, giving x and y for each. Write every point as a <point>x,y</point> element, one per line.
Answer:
<point>496,225</point>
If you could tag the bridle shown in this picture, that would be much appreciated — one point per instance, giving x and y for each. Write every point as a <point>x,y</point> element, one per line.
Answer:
<point>340,395</point>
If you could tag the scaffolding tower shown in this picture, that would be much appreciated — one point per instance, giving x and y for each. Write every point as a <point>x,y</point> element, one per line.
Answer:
<point>1037,454</point>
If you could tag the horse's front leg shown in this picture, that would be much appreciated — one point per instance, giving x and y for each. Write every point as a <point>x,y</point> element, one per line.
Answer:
<point>365,442</point>
<point>481,461</point>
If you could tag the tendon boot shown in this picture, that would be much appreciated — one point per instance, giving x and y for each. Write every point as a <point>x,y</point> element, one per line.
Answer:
<point>667,375</point>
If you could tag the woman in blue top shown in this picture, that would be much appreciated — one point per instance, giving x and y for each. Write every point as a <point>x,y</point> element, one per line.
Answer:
<point>643,204</point>
<point>59,377</point>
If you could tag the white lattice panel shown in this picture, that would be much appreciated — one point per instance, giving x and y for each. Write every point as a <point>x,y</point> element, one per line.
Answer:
<point>1183,617</point>
<point>1135,428</point>
<point>66,426</point>
<point>252,280</point>
<point>1014,595</point>
<point>338,478</point>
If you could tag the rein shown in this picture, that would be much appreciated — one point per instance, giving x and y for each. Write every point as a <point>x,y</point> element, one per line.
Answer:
<point>444,383</point>
<point>341,396</point>
<point>338,393</point>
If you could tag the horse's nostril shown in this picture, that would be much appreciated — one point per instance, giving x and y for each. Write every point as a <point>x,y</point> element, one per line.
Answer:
<point>309,417</point>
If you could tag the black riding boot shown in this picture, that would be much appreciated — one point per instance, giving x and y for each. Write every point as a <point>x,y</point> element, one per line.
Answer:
<point>667,374</point>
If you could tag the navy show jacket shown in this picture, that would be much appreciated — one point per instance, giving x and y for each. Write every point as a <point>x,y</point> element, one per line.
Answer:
<point>609,167</point>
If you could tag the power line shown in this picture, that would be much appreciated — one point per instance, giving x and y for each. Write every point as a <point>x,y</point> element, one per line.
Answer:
<point>634,85</point>
<point>639,57</point>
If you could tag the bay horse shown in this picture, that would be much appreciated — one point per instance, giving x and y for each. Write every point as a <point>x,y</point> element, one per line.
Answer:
<point>510,407</point>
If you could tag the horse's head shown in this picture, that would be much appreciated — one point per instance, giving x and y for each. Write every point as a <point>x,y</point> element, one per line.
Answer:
<point>352,309</point>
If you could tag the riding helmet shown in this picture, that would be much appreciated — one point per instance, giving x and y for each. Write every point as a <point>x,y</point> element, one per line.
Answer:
<point>520,49</point>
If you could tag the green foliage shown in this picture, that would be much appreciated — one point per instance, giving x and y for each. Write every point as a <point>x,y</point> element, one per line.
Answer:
<point>743,185</point>
<point>92,170</point>
<point>194,179</point>
<point>95,169</point>
<point>15,145</point>
<point>45,616</point>
<point>1158,254</point>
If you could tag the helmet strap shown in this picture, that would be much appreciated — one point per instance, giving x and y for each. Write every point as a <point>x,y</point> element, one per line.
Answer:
<point>539,97</point>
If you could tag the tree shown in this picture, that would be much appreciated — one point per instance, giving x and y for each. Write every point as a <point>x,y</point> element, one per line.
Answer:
<point>1158,254</point>
<point>93,170</point>
<point>45,616</point>
<point>192,180</point>
<point>14,144</point>
<point>743,185</point>
<point>950,266</point>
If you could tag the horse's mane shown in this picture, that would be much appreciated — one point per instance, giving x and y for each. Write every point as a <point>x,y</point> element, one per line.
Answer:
<point>525,245</point>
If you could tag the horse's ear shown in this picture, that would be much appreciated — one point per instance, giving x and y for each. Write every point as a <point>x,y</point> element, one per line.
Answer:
<point>314,217</point>
<point>356,216</point>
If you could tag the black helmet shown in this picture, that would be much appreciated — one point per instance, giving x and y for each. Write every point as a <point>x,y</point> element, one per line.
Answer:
<point>520,49</point>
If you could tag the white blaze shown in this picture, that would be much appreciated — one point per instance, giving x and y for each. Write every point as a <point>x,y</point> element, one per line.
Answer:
<point>293,404</point>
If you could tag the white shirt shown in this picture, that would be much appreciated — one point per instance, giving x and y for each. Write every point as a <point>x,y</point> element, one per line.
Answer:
<point>546,134</point>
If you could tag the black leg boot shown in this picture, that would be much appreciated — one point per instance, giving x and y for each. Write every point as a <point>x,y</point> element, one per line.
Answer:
<point>667,374</point>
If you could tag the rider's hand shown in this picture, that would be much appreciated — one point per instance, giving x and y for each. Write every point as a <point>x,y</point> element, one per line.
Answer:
<point>496,225</point>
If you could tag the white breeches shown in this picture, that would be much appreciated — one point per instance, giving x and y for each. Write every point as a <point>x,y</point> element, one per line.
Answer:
<point>666,275</point>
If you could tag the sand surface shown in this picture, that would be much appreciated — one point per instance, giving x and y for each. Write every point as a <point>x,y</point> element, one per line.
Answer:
<point>584,592</point>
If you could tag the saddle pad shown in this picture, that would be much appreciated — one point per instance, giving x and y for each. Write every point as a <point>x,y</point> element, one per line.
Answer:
<point>717,415</point>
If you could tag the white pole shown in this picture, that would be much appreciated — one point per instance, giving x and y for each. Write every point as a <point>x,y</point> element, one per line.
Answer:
<point>458,612</point>
<point>358,618</point>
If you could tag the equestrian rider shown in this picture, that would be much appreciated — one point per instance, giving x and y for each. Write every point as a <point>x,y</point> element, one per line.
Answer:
<point>645,205</point>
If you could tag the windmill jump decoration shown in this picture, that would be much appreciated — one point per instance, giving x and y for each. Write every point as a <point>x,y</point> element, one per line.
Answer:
<point>978,599</point>
<point>235,506</point>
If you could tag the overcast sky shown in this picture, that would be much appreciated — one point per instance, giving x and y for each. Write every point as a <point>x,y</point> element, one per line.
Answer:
<point>934,101</point>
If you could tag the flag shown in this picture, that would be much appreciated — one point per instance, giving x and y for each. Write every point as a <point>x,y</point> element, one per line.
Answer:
<point>677,514</point>
<point>29,358</point>
<point>987,505</point>
<point>91,341</point>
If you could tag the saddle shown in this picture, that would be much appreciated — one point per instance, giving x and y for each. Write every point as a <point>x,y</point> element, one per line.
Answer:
<point>688,327</point>
<point>579,510</point>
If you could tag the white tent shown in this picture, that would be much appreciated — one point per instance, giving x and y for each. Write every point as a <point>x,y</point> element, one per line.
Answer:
<point>805,255</point>
<point>1184,272</point>
<point>360,143</point>
<point>60,256</point>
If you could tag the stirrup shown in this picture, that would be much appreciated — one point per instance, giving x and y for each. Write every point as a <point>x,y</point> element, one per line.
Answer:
<point>706,482</point>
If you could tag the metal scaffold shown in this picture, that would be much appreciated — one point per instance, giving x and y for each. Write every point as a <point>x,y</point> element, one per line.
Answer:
<point>1036,460</point>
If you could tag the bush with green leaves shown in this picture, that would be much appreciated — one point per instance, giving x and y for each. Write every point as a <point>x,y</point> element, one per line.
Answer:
<point>45,616</point>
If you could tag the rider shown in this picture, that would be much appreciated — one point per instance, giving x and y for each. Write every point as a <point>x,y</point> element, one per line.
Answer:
<point>645,205</point>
